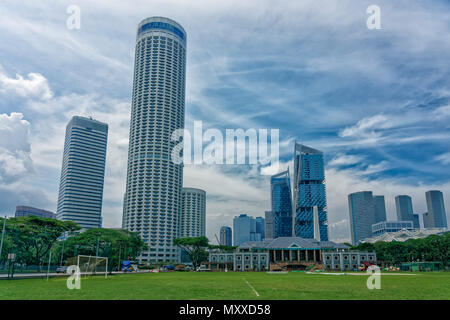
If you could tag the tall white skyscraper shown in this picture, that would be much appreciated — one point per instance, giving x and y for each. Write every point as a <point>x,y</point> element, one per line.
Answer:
<point>82,174</point>
<point>152,200</point>
<point>193,213</point>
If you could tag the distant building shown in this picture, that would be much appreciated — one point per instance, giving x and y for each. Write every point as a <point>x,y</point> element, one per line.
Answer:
<point>193,213</point>
<point>391,226</point>
<point>380,208</point>
<point>436,216</point>
<point>283,253</point>
<point>416,221</point>
<point>244,229</point>
<point>309,192</point>
<point>404,208</point>
<point>347,260</point>
<point>404,235</point>
<point>261,227</point>
<point>82,174</point>
<point>25,211</point>
<point>281,200</point>
<point>362,215</point>
<point>225,236</point>
<point>269,225</point>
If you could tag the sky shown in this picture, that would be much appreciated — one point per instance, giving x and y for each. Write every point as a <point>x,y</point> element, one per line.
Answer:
<point>375,101</point>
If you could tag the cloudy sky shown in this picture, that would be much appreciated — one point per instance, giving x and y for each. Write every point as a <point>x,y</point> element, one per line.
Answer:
<point>377,102</point>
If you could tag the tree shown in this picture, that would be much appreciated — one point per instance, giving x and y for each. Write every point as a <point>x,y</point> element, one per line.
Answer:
<point>195,248</point>
<point>32,237</point>
<point>114,244</point>
<point>439,247</point>
<point>223,248</point>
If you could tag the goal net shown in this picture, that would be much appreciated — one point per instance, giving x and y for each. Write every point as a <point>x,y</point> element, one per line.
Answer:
<point>92,265</point>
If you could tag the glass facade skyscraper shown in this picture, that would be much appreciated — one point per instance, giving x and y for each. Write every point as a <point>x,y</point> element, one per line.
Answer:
<point>260,227</point>
<point>225,236</point>
<point>436,216</point>
<point>268,218</point>
<point>362,215</point>
<point>380,208</point>
<point>82,174</point>
<point>193,213</point>
<point>281,200</point>
<point>244,229</point>
<point>309,192</point>
<point>152,200</point>
<point>25,211</point>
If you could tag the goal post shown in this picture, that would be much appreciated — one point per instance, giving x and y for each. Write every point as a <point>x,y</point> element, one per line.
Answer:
<point>92,265</point>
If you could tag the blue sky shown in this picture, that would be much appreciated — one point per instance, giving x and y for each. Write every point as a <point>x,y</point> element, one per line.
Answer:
<point>377,102</point>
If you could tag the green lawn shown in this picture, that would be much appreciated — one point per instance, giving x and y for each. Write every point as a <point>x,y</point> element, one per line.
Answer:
<point>232,285</point>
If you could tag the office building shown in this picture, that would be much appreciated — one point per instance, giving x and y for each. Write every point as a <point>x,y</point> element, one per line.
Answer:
<point>152,199</point>
<point>281,200</point>
<point>25,211</point>
<point>309,192</point>
<point>391,226</point>
<point>260,227</point>
<point>269,224</point>
<point>404,208</point>
<point>380,208</point>
<point>225,236</point>
<point>244,229</point>
<point>362,215</point>
<point>436,216</point>
<point>83,170</point>
<point>193,213</point>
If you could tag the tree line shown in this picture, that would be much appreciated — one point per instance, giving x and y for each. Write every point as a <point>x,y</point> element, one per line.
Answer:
<point>432,248</point>
<point>34,240</point>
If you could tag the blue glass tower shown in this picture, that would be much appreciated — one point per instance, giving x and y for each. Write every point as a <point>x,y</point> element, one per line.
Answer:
<point>309,192</point>
<point>281,205</point>
<point>225,236</point>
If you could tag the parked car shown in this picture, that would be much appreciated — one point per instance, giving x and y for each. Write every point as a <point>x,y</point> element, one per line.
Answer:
<point>203,268</point>
<point>61,269</point>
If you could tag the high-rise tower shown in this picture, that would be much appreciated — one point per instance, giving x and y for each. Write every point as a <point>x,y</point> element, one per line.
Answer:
<point>362,215</point>
<point>82,174</point>
<point>436,216</point>
<point>309,192</point>
<point>152,200</point>
<point>281,199</point>
<point>193,213</point>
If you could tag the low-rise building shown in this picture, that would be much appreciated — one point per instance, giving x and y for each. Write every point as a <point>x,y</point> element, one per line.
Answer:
<point>391,226</point>
<point>25,211</point>
<point>284,253</point>
<point>347,260</point>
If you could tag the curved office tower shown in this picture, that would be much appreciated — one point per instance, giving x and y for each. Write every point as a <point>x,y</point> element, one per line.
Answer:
<point>193,213</point>
<point>153,190</point>
<point>309,193</point>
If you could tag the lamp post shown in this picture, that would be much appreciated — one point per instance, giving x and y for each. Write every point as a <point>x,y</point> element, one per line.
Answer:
<point>3,236</point>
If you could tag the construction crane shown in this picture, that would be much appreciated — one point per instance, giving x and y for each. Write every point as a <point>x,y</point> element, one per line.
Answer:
<point>218,242</point>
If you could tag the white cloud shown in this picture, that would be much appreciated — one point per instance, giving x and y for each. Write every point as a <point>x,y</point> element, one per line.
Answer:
<point>344,160</point>
<point>35,86</point>
<point>444,158</point>
<point>15,161</point>
<point>365,127</point>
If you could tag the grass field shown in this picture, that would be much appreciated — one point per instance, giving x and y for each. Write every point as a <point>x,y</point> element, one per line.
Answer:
<point>232,285</point>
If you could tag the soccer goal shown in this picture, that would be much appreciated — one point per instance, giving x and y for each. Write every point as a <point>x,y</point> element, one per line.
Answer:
<point>92,265</point>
